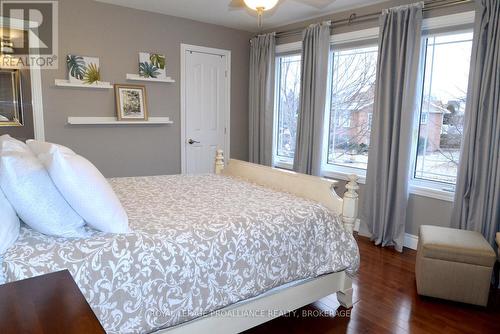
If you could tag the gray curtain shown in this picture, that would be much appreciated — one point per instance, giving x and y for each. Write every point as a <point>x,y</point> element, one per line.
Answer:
<point>261,98</point>
<point>477,196</point>
<point>315,52</point>
<point>383,210</point>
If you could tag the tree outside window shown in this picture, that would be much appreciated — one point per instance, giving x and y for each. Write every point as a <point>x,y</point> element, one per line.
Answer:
<point>288,100</point>
<point>352,95</point>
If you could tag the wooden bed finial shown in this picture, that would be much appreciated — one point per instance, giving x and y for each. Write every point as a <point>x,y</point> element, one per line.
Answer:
<point>219,162</point>
<point>350,205</point>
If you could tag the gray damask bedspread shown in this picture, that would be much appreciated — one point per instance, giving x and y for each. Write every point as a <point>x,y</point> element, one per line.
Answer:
<point>200,243</point>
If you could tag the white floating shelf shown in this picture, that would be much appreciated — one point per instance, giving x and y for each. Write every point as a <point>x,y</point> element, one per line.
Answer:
<point>99,85</point>
<point>137,77</point>
<point>115,121</point>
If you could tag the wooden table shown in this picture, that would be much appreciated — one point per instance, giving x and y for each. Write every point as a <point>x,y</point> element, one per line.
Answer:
<point>50,303</point>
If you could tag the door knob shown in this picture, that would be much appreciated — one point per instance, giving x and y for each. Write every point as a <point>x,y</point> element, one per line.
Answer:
<point>191,142</point>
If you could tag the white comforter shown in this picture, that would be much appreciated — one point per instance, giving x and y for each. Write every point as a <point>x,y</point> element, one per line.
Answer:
<point>200,243</point>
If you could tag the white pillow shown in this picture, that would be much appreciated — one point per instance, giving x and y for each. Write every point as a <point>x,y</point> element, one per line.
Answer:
<point>83,186</point>
<point>9,224</point>
<point>32,194</point>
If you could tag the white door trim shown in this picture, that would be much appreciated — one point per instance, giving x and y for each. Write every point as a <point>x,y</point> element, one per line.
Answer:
<point>227,111</point>
<point>37,103</point>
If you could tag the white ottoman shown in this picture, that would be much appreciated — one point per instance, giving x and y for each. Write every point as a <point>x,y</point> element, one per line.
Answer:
<point>454,265</point>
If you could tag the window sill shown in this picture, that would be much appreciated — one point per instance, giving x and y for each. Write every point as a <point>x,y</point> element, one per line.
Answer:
<point>419,190</point>
<point>337,175</point>
<point>443,195</point>
<point>283,165</point>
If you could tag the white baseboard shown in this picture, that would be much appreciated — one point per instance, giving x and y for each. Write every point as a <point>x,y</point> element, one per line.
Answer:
<point>411,241</point>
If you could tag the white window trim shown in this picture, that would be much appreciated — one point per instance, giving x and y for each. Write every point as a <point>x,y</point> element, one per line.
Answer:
<point>449,21</point>
<point>283,163</point>
<point>432,189</point>
<point>353,36</point>
<point>341,172</point>
<point>334,170</point>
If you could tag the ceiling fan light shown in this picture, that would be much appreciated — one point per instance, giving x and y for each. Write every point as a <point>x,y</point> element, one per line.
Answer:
<point>261,4</point>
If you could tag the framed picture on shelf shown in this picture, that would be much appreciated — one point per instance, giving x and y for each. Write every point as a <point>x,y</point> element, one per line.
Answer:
<point>152,65</point>
<point>83,70</point>
<point>131,103</point>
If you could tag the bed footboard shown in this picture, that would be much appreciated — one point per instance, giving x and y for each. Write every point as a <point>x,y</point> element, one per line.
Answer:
<point>234,319</point>
<point>306,186</point>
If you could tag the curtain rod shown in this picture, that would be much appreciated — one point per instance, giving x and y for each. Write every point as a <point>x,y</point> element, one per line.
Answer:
<point>353,18</point>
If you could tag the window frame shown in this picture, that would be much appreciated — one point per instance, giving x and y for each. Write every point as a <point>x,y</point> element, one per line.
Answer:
<point>429,188</point>
<point>278,160</point>
<point>453,23</point>
<point>357,36</point>
<point>335,170</point>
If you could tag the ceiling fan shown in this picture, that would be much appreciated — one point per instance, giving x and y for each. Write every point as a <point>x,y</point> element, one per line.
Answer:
<point>261,6</point>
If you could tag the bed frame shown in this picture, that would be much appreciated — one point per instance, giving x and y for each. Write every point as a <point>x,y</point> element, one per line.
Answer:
<point>250,313</point>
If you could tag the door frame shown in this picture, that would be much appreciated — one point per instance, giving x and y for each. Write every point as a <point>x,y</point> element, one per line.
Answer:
<point>227,109</point>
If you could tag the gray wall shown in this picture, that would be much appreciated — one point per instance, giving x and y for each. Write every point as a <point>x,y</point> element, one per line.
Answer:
<point>421,210</point>
<point>116,35</point>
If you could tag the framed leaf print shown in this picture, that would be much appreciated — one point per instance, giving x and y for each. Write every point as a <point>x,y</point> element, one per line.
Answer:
<point>152,65</point>
<point>83,70</point>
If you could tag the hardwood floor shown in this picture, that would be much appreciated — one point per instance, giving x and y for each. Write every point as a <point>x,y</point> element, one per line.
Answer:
<point>386,301</point>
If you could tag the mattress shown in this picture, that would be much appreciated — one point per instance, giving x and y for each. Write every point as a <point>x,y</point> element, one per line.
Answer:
<point>198,244</point>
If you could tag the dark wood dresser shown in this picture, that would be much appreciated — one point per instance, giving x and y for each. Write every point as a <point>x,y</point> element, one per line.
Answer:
<point>48,304</point>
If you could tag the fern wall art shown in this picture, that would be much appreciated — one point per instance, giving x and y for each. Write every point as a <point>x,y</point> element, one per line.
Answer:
<point>83,70</point>
<point>152,65</point>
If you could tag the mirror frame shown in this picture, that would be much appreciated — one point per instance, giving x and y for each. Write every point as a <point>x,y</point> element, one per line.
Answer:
<point>18,99</point>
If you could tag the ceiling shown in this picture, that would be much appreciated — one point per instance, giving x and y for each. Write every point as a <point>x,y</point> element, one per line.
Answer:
<point>218,12</point>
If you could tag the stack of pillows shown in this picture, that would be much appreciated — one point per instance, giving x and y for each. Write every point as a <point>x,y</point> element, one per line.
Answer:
<point>54,191</point>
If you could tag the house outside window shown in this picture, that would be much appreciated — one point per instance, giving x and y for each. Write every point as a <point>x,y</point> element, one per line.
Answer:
<point>350,108</point>
<point>424,118</point>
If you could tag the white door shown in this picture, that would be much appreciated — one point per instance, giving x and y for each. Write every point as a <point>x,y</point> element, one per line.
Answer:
<point>205,109</point>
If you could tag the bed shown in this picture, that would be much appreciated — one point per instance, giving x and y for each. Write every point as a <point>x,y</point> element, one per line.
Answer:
<point>208,251</point>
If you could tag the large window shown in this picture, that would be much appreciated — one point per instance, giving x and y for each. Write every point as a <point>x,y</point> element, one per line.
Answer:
<point>353,75</point>
<point>287,100</point>
<point>446,72</point>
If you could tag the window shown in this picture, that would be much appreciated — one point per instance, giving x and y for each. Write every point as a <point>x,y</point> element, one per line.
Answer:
<point>344,121</point>
<point>352,93</point>
<point>442,110</point>
<point>424,118</point>
<point>287,102</point>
